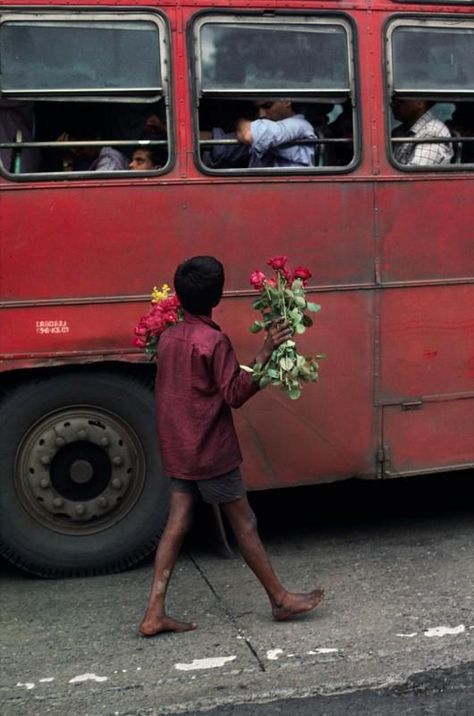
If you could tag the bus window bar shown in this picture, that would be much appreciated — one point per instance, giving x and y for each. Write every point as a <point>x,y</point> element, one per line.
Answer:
<point>431,140</point>
<point>232,142</point>
<point>91,143</point>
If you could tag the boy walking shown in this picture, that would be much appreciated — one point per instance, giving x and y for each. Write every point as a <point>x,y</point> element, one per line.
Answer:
<point>198,382</point>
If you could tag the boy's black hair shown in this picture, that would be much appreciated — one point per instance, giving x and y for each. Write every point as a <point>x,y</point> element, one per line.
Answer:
<point>199,283</point>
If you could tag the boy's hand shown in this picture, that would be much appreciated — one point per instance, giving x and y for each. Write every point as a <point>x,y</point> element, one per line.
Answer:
<point>279,332</point>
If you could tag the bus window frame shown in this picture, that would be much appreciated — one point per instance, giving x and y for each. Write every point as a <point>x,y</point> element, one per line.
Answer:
<point>249,16</point>
<point>413,20</point>
<point>84,15</point>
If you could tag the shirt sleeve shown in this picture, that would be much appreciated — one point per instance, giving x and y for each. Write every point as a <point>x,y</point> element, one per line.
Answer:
<point>110,160</point>
<point>235,385</point>
<point>267,134</point>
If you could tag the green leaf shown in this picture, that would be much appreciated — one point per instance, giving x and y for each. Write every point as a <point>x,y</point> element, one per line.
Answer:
<point>300,328</point>
<point>246,369</point>
<point>286,363</point>
<point>313,307</point>
<point>264,381</point>
<point>256,327</point>
<point>294,393</point>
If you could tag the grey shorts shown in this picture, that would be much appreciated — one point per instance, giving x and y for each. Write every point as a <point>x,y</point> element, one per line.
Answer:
<point>215,490</point>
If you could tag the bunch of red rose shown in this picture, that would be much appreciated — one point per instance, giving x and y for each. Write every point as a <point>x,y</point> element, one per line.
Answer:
<point>283,296</point>
<point>280,265</point>
<point>165,311</point>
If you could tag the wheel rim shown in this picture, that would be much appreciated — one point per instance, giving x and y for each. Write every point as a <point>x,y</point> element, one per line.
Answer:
<point>80,470</point>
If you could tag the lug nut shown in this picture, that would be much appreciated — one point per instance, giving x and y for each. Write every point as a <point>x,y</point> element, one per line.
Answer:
<point>60,441</point>
<point>117,460</point>
<point>82,434</point>
<point>103,501</point>
<point>58,502</point>
<point>116,483</point>
<point>45,483</point>
<point>104,441</point>
<point>45,459</point>
<point>80,509</point>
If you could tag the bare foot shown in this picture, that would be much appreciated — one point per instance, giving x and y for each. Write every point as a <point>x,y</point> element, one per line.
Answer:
<point>293,604</point>
<point>156,625</point>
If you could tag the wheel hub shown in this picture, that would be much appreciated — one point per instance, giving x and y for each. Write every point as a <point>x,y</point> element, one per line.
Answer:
<point>79,470</point>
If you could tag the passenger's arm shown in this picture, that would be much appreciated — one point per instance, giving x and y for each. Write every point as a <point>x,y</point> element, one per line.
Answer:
<point>266,133</point>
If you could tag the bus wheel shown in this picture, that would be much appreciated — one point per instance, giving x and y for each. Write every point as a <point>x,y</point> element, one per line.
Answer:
<point>81,489</point>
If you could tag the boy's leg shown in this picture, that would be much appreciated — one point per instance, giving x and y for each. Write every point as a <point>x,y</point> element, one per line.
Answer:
<point>179,522</point>
<point>244,525</point>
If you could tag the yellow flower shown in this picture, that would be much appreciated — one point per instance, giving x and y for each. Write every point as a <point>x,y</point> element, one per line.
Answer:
<point>160,295</point>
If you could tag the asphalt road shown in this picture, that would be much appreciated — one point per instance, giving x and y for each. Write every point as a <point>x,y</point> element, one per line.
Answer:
<point>394,634</point>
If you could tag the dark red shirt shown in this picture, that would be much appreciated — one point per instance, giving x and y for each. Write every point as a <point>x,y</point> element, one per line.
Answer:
<point>198,382</point>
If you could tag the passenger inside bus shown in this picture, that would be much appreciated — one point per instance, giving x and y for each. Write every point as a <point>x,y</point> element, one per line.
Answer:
<point>17,125</point>
<point>341,154</point>
<point>418,122</point>
<point>271,140</point>
<point>146,159</point>
<point>92,158</point>
<point>462,125</point>
<point>49,122</point>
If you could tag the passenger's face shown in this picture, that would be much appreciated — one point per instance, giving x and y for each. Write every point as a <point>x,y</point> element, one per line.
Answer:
<point>281,109</point>
<point>141,161</point>
<point>408,111</point>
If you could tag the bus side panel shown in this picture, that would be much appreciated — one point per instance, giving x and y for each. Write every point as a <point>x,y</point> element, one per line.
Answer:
<point>437,436</point>
<point>330,432</point>
<point>427,341</point>
<point>111,240</point>
<point>426,227</point>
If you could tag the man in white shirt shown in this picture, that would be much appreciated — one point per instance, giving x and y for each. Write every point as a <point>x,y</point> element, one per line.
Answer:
<point>418,122</point>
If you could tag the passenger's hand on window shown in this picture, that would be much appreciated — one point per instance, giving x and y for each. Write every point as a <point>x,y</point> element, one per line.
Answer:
<point>243,131</point>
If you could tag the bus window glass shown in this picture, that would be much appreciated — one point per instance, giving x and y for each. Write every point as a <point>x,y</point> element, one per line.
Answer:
<point>279,57</point>
<point>431,89</point>
<point>433,58</point>
<point>275,95</point>
<point>83,96</point>
<point>79,56</point>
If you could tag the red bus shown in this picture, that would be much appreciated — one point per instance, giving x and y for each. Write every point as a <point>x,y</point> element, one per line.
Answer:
<point>390,242</point>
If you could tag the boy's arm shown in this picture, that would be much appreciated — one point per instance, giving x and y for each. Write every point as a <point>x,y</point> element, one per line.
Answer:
<point>236,385</point>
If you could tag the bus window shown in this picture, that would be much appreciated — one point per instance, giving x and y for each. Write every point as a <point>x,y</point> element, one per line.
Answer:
<point>431,90</point>
<point>81,95</point>
<point>274,95</point>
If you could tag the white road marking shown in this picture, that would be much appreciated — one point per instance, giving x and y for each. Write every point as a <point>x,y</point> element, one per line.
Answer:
<point>213,662</point>
<point>87,677</point>
<point>47,680</point>
<point>26,684</point>
<point>444,630</point>
<point>324,650</point>
<point>273,654</point>
<point>409,636</point>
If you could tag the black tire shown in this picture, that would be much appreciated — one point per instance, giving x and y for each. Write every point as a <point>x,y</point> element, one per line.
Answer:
<point>81,485</point>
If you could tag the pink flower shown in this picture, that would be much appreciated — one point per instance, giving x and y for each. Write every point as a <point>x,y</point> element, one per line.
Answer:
<point>169,304</point>
<point>303,273</point>
<point>271,282</point>
<point>257,279</point>
<point>278,263</point>
<point>170,317</point>
<point>139,342</point>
